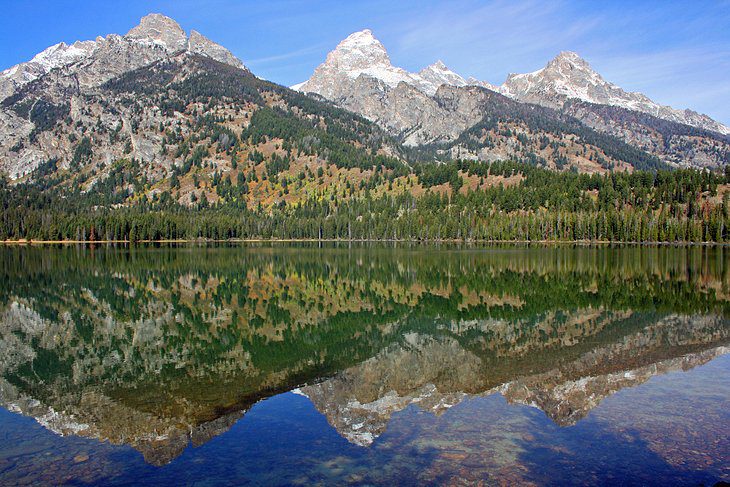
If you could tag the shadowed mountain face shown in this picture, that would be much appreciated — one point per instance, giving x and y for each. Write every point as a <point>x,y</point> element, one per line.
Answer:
<point>160,348</point>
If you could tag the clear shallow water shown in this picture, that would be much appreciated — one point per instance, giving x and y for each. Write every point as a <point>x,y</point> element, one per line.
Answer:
<point>364,365</point>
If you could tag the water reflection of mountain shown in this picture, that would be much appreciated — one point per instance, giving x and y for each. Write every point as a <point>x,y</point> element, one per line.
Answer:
<point>157,348</point>
<point>437,374</point>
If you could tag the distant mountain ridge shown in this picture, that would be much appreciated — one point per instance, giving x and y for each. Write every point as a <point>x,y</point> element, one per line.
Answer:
<point>97,61</point>
<point>420,108</point>
<point>570,77</point>
<point>567,76</point>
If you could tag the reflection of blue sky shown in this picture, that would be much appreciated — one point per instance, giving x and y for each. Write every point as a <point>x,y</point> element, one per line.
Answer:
<point>677,52</point>
<point>284,439</point>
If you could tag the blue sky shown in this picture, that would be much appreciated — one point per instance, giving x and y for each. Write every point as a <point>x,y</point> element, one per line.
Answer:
<point>678,52</point>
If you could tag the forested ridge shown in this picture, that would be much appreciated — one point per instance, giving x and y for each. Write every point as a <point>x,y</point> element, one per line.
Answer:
<point>666,206</point>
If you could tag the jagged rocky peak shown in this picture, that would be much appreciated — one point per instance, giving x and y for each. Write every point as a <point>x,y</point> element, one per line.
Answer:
<point>199,44</point>
<point>359,51</point>
<point>156,36</point>
<point>161,30</point>
<point>438,74</point>
<point>570,67</point>
<point>566,75</point>
<point>61,72</point>
<point>569,57</point>
<point>360,54</point>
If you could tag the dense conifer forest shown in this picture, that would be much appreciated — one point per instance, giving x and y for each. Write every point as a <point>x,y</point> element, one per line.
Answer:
<point>643,206</point>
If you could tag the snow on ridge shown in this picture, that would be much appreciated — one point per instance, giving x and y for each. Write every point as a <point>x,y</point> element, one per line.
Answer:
<point>55,56</point>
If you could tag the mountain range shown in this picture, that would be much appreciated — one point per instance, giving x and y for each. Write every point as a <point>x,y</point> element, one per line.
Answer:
<point>358,75</point>
<point>158,111</point>
<point>566,77</point>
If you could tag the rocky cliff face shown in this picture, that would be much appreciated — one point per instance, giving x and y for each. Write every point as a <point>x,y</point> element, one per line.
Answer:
<point>199,44</point>
<point>359,76</point>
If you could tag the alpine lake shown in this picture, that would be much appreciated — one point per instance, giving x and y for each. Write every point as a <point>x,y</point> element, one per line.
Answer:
<point>331,364</point>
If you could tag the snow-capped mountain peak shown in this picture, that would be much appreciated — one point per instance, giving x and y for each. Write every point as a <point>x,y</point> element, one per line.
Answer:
<point>359,51</point>
<point>361,54</point>
<point>569,56</point>
<point>161,30</point>
<point>568,76</point>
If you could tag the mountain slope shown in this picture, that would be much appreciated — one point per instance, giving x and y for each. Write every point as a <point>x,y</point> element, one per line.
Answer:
<point>188,106</point>
<point>435,108</point>
<point>189,131</point>
<point>676,143</point>
<point>35,95</point>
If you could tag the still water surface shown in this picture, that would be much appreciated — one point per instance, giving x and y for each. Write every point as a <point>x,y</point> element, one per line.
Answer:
<point>365,365</point>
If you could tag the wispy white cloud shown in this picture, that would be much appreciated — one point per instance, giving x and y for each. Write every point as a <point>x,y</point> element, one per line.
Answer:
<point>695,77</point>
<point>649,68</point>
<point>498,36</point>
<point>276,58</point>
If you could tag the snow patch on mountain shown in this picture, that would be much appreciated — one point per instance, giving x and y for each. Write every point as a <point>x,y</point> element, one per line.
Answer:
<point>53,57</point>
<point>438,74</point>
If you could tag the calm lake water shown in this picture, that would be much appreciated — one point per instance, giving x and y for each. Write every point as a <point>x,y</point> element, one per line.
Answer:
<point>367,365</point>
